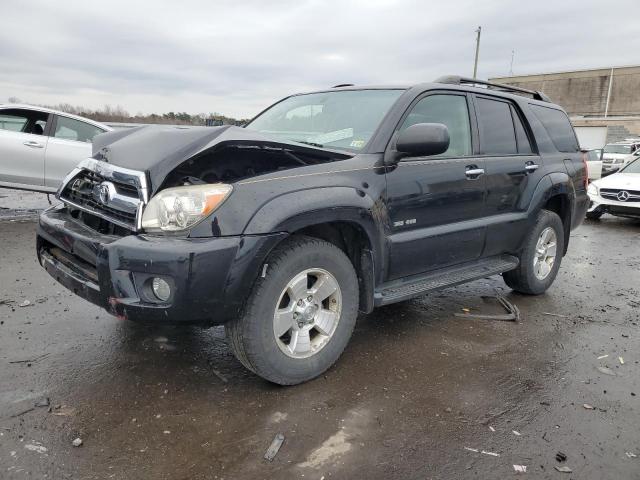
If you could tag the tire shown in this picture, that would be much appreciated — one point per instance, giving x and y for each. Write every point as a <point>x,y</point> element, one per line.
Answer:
<point>595,214</point>
<point>532,277</point>
<point>294,269</point>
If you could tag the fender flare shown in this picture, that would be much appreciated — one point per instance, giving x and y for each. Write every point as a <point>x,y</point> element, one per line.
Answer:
<point>294,211</point>
<point>551,185</point>
<point>303,208</point>
<point>557,183</point>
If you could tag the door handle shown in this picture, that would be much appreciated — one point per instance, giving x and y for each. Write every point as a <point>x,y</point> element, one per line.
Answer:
<point>33,144</point>
<point>473,172</point>
<point>531,167</point>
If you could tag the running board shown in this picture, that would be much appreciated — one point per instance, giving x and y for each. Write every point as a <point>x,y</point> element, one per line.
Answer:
<point>404,289</point>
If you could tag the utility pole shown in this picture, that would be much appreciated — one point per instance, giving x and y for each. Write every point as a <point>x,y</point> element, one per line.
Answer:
<point>606,108</point>
<point>475,63</point>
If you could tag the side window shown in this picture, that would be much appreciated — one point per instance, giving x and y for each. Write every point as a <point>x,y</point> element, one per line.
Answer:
<point>497,133</point>
<point>450,110</point>
<point>557,125</point>
<point>71,129</point>
<point>25,121</point>
<point>524,145</point>
<point>12,120</point>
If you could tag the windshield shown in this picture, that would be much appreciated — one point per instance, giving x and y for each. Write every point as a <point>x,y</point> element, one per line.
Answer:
<point>626,149</point>
<point>633,167</point>
<point>593,155</point>
<point>341,119</point>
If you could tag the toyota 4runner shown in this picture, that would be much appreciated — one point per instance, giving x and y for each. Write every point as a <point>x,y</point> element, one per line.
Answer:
<point>325,204</point>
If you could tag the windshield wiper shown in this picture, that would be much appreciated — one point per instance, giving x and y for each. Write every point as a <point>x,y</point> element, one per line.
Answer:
<point>313,144</point>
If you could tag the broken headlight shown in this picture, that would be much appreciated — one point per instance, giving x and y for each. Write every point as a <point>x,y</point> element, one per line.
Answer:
<point>179,208</point>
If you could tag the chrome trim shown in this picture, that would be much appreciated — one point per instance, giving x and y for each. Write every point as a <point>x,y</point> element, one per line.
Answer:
<point>102,215</point>
<point>134,178</point>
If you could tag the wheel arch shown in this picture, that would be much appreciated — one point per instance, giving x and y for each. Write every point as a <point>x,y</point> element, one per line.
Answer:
<point>346,217</point>
<point>555,193</point>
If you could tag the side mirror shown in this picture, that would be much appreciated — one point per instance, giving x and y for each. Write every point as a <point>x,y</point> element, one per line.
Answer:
<point>423,139</point>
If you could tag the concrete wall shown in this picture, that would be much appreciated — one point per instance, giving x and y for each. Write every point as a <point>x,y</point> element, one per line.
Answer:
<point>585,92</point>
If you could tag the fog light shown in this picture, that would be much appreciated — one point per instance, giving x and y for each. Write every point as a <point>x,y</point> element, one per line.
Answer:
<point>161,289</point>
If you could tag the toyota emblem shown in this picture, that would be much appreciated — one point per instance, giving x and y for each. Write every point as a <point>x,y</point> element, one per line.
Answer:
<point>104,193</point>
<point>623,196</point>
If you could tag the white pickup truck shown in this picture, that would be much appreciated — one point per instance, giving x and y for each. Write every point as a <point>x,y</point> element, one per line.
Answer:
<point>617,155</point>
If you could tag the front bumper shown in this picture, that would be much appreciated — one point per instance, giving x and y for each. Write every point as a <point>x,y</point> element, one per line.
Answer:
<point>621,209</point>
<point>210,278</point>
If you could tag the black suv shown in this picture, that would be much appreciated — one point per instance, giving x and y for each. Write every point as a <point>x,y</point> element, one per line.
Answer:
<point>326,204</point>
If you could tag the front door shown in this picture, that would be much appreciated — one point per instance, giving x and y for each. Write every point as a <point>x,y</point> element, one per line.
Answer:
<point>436,203</point>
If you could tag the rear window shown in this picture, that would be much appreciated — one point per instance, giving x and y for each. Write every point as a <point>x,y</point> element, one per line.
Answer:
<point>557,125</point>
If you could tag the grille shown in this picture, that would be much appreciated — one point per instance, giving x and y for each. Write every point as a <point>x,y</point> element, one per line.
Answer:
<point>612,194</point>
<point>119,205</point>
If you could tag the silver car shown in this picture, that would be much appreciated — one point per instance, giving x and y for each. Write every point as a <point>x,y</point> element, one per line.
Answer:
<point>39,146</point>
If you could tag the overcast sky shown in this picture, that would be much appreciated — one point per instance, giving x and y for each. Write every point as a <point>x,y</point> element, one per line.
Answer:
<point>237,56</point>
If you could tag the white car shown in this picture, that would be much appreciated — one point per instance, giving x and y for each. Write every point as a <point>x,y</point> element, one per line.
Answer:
<point>39,146</point>
<point>616,155</point>
<point>617,194</point>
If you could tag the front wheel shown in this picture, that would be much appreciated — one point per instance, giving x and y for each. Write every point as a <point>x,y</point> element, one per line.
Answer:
<point>300,315</point>
<point>540,257</point>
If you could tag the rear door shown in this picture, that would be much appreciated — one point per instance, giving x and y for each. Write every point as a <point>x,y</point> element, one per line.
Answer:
<point>23,142</point>
<point>436,202</point>
<point>70,142</point>
<point>511,167</point>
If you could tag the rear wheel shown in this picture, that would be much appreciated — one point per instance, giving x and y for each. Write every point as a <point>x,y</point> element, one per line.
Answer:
<point>541,256</point>
<point>300,316</point>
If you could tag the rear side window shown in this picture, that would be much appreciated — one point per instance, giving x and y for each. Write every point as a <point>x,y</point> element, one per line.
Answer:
<point>557,125</point>
<point>12,121</point>
<point>524,145</point>
<point>70,129</point>
<point>21,120</point>
<point>497,133</point>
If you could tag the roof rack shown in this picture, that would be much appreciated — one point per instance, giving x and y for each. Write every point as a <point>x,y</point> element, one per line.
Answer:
<point>343,85</point>
<point>457,80</point>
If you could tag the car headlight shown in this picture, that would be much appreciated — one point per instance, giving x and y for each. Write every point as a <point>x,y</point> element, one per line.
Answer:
<point>592,189</point>
<point>179,208</point>
<point>618,160</point>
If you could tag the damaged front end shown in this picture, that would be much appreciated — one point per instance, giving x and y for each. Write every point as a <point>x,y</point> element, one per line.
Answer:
<point>122,236</point>
<point>129,168</point>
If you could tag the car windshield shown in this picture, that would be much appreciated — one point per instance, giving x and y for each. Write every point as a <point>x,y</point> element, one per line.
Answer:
<point>340,119</point>
<point>633,167</point>
<point>626,149</point>
<point>593,155</point>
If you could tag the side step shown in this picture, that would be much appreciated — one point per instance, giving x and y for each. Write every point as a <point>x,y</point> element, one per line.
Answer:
<point>406,288</point>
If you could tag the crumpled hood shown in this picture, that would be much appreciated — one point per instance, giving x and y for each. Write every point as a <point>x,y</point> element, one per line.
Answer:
<point>159,149</point>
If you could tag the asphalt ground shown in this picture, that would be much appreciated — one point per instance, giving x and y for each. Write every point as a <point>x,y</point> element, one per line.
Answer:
<point>419,392</point>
